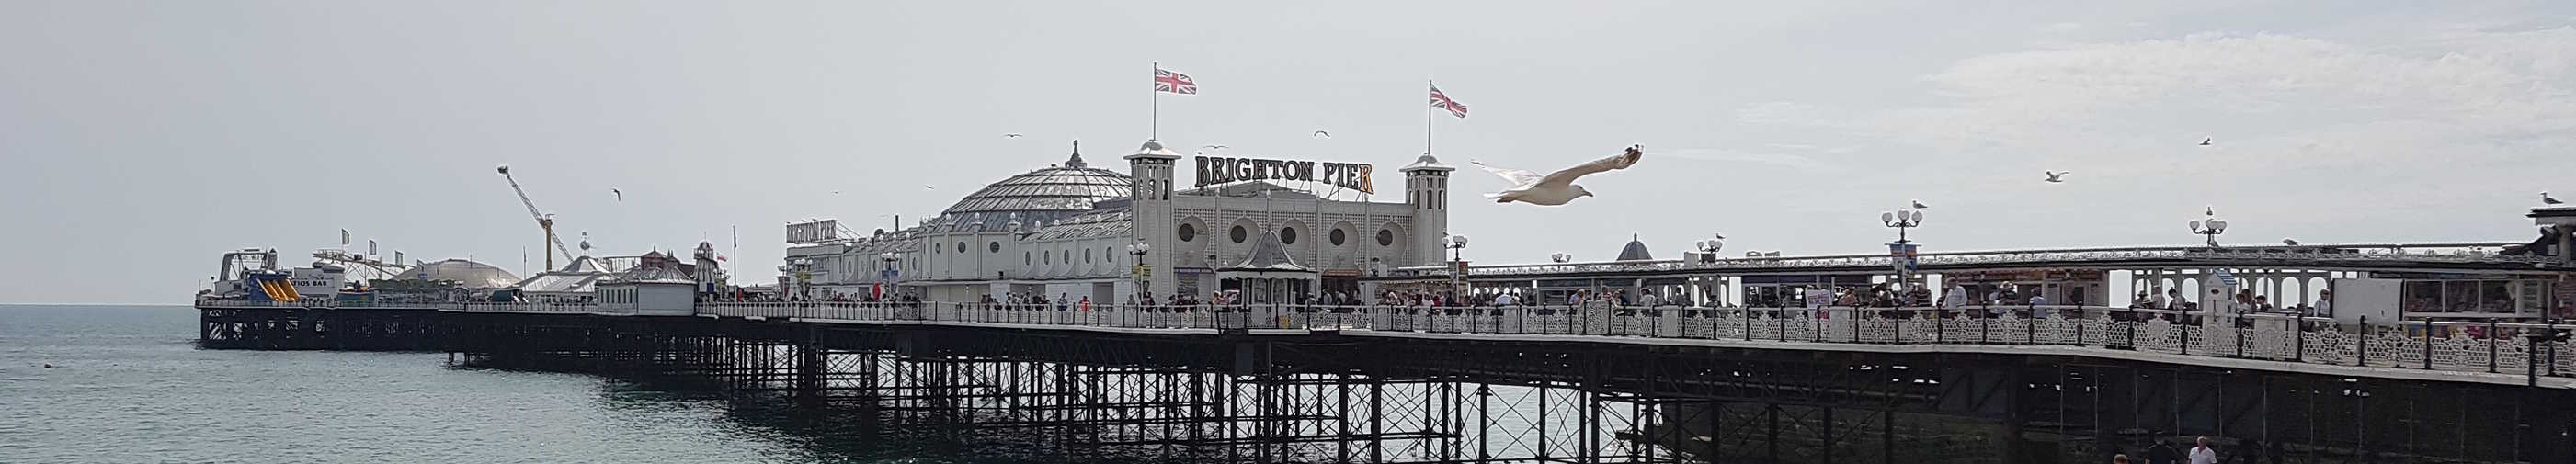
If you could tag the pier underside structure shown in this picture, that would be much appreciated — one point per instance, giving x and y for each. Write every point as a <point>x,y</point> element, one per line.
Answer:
<point>1252,395</point>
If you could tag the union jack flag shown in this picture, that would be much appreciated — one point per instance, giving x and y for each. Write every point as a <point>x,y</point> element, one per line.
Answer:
<point>1442,101</point>
<point>1172,82</point>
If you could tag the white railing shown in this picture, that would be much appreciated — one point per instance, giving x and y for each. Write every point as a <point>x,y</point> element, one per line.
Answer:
<point>2455,346</point>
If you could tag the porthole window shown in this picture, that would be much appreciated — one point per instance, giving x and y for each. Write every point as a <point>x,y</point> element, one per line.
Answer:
<point>1025,259</point>
<point>961,247</point>
<point>1287,235</point>
<point>1237,234</point>
<point>996,247</point>
<point>1337,237</point>
<point>1385,237</point>
<point>1187,233</point>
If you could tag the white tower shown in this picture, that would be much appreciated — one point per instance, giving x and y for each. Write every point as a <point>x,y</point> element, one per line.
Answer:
<point>1426,189</point>
<point>1151,211</point>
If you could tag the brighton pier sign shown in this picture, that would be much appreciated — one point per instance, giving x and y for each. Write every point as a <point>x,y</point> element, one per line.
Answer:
<point>1215,170</point>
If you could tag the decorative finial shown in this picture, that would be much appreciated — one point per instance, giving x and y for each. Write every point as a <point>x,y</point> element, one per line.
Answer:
<point>1076,162</point>
<point>1632,236</point>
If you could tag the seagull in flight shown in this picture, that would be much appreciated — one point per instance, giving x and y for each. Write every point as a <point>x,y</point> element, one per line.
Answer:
<point>2289,242</point>
<point>2205,142</point>
<point>1918,204</point>
<point>621,196</point>
<point>1319,133</point>
<point>1012,135</point>
<point>2055,176</point>
<point>926,187</point>
<point>1219,147</point>
<point>2546,200</point>
<point>1558,187</point>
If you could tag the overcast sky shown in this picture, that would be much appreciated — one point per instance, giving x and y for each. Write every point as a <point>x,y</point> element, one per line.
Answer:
<point>141,139</point>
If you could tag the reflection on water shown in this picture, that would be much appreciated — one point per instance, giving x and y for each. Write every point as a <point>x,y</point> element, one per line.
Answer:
<point>130,387</point>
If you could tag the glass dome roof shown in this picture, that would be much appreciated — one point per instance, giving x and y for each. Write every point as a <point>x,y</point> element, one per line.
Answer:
<point>1053,193</point>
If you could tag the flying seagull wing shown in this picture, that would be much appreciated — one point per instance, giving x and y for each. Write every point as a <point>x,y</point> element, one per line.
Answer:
<point>1517,177</point>
<point>1614,162</point>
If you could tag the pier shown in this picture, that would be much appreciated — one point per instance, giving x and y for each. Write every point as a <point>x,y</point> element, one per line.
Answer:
<point>1283,383</point>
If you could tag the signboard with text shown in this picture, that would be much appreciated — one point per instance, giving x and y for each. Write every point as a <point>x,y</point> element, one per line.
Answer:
<point>1217,170</point>
<point>814,232</point>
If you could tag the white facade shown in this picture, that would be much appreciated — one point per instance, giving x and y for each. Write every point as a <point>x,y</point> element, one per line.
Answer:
<point>1064,232</point>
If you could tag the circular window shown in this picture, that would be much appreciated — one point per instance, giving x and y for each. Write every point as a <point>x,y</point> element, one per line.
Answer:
<point>996,247</point>
<point>1188,232</point>
<point>1237,234</point>
<point>961,247</point>
<point>1337,236</point>
<point>1287,235</point>
<point>1385,237</point>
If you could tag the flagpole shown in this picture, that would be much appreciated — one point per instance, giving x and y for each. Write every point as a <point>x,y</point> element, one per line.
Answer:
<point>1154,126</point>
<point>1427,116</point>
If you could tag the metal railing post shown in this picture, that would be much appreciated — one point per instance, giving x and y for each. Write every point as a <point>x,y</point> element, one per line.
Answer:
<point>2361,343</point>
<point>2491,346</point>
<point>2428,343</point>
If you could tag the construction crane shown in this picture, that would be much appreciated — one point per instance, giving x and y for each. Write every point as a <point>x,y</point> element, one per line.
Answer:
<point>544,221</point>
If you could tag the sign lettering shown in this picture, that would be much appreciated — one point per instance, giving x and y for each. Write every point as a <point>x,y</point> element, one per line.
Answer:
<point>1217,170</point>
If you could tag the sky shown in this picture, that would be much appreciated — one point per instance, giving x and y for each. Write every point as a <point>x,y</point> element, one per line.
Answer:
<point>141,139</point>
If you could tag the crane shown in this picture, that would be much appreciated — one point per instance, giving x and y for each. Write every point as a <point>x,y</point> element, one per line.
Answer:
<point>544,221</point>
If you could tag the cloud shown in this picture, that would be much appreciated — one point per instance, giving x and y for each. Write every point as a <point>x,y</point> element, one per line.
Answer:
<point>1776,158</point>
<point>2059,28</point>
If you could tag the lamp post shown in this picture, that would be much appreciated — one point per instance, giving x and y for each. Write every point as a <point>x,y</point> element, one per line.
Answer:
<point>2209,227</point>
<point>1901,253</point>
<point>1902,220</point>
<point>1143,274</point>
<point>1560,257</point>
<point>1457,244</point>
<point>1708,248</point>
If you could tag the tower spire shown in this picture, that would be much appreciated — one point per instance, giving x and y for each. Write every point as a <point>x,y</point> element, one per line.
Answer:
<point>1076,161</point>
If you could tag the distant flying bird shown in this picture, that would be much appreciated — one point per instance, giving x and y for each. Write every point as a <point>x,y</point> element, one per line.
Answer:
<point>1557,188</point>
<point>2289,242</point>
<point>1720,236</point>
<point>2055,176</point>
<point>926,187</point>
<point>2546,200</point>
<point>1013,135</point>
<point>1322,134</point>
<point>1219,147</point>
<point>621,196</point>
<point>2205,142</point>
<point>1918,204</point>
<point>836,192</point>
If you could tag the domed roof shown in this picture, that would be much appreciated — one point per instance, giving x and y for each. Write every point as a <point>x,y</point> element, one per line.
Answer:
<point>468,274</point>
<point>1635,251</point>
<point>1046,194</point>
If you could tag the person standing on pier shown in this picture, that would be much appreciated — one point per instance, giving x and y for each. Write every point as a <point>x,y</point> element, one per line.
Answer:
<point>2203,454</point>
<point>2163,453</point>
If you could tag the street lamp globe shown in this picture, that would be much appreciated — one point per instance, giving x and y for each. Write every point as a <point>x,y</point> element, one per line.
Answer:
<point>1560,257</point>
<point>1887,217</point>
<point>1915,216</point>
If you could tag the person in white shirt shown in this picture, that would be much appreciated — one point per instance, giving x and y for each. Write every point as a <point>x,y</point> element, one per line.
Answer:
<point>2202,454</point>
<point>2036,300</point>
<point>1503,300</point>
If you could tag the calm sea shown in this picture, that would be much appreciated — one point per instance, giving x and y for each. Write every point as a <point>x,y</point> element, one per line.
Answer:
<point>129,386</point>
